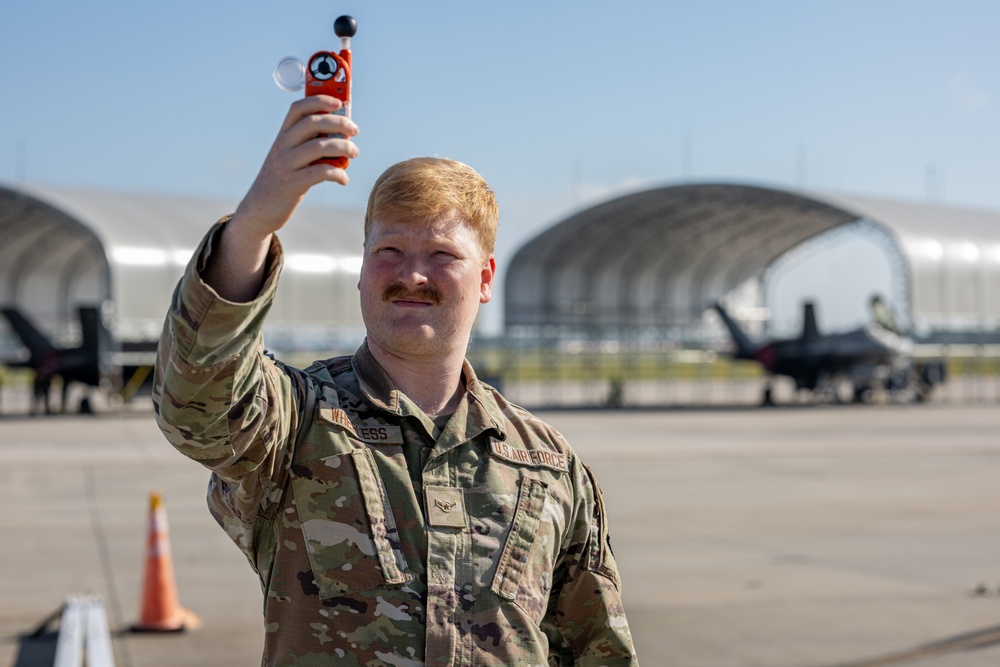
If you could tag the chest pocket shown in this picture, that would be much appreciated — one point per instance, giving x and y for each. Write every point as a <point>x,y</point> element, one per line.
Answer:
<point>524,573</point>
<point>347,524</point>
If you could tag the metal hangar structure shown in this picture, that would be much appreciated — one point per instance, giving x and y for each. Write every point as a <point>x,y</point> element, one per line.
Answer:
<point>66,247</point>
<point>652,262</point>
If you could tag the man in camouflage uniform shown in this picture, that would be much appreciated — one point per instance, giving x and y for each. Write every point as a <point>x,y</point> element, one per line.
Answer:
<point>397,510</point>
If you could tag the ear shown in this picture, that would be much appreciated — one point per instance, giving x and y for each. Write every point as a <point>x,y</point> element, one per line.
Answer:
<point>361,271</point>
<point>486,280</point>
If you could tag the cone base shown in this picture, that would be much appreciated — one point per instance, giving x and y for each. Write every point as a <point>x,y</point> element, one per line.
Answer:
<point>149,629</point>
<point>185,620</point>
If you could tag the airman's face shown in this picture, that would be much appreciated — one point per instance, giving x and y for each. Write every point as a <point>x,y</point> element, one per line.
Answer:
<point>421,285</point>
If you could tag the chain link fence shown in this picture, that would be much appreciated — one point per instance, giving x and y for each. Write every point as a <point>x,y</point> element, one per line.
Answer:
<point>619,375</point>
<point>610,374</point>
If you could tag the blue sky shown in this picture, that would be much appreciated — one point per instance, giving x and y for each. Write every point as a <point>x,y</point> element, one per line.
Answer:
<point>559,104</point>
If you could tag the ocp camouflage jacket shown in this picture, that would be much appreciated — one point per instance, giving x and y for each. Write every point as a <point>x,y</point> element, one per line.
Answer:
<point>498,554</point>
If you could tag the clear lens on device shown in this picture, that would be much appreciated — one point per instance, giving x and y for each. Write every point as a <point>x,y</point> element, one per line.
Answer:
<point>290,74</point>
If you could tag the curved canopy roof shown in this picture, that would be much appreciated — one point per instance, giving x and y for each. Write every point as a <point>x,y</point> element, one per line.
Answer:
<point>659,258</point>
<point>67,246</point>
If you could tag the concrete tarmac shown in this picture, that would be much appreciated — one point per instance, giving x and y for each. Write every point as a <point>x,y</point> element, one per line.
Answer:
<point>794,537</point>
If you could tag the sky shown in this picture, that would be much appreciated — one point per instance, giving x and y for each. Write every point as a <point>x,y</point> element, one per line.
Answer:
<point>559,104</point>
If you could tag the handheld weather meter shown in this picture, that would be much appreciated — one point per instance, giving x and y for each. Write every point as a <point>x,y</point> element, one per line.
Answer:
<point>327,73</point>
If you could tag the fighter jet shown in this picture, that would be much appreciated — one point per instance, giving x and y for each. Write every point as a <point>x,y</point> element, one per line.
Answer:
<point>871,359</point>
<point>84,364</point>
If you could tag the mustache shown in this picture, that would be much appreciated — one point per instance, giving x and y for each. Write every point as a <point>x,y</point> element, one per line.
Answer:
<point>397,291</point>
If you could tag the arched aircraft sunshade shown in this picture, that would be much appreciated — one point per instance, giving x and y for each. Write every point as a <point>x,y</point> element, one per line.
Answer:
<point>659,258</point>
<point>64,247</point>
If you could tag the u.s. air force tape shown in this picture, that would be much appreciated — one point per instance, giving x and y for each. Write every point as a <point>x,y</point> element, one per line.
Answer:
<point>529,457</point>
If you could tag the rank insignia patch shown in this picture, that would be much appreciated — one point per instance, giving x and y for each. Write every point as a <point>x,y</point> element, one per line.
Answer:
<point>445,507</point>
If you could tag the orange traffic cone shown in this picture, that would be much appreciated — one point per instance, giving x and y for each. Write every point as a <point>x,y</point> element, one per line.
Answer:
<point>160,610</point>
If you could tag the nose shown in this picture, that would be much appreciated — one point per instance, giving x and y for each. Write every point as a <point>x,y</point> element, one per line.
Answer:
<point>412,272</point>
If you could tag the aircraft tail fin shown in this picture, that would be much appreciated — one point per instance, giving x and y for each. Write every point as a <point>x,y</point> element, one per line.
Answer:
<point>91,328</point>
<point>38,345</point>
<point>810,331</point>
<point>745,347</point>
<point>94,341</point>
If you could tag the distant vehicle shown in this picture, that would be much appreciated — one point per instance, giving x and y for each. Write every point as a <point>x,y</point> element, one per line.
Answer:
<point>87,364</point>
<point>869,360</point>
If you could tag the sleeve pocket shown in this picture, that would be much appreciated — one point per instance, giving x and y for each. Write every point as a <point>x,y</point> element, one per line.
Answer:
<point>599,557</point>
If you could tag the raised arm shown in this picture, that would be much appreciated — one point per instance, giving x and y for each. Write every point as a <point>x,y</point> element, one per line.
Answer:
<point>236,268</point>
<point>218,398</point>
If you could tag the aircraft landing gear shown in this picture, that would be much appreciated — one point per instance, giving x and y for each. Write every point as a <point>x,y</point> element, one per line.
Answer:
<point>768,398</point>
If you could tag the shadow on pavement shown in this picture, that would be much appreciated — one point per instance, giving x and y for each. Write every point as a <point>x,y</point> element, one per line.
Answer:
<point>36,650</point>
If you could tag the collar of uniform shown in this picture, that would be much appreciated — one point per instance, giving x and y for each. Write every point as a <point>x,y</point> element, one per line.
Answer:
<point>483,408</point>
<point>375,384</point>
<point>476,412</point>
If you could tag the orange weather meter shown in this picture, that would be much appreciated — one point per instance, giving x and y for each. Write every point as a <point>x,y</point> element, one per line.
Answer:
<point>327,73</point>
